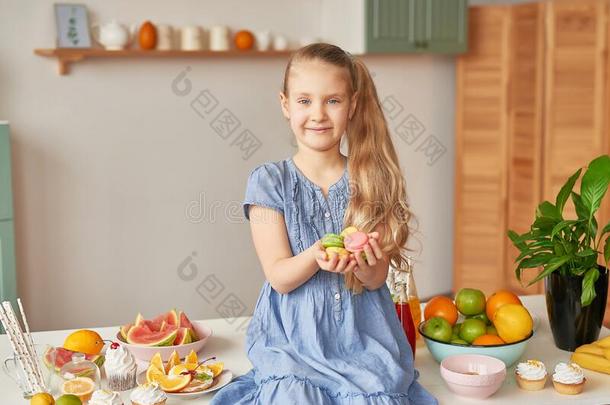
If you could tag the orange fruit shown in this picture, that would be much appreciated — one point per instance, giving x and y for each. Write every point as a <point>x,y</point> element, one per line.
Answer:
<point>443,307</point>
<point>244,40</point>
<point>488,340</point>
<point>499,298</point>
<point>174,359</point>
<point>84,341</point>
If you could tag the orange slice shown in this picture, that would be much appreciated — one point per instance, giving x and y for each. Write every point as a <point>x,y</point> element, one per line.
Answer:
<point>174,360</point>
<point>153,373</point>
<point>157,362</point>
<point>82,387</point>
<point>216,368</point>
<point>173,383</point>
<point>191,358</point>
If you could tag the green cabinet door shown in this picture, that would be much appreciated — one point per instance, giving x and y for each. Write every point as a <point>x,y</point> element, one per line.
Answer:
<point>6,195</point>
<point>422,26</point>
<point>8,277</point>
<point>445,26</point>
<point>390,26</point>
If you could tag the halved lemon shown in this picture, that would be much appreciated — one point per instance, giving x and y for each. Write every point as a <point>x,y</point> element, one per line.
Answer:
<point>157,362</point>
<point>82,387</point>
<point>191,358</point>
<point>173,383</point>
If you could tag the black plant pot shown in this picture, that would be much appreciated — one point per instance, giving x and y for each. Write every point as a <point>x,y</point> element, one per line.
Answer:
<point>573,325</point>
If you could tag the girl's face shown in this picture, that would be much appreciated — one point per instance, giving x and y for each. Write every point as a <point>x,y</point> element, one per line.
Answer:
<point>318,104</point>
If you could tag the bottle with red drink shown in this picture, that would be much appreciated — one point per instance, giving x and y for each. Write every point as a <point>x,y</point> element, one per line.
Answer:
<point>406,301</point>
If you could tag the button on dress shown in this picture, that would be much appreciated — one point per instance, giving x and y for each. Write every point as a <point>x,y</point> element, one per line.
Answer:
<point>320,344</point>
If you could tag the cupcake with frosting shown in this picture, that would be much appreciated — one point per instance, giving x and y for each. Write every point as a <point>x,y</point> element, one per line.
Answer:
<point>531,375</point>
<point>121,368</point>
<point>148,394</point>
<point>569,379</point>
<point>105,397</point>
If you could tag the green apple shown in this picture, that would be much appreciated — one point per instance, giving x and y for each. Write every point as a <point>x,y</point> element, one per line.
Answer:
<point>472,329</point>
<point>470,301</point>
<point>438,328</point>
<point>482,316</point>
<point>459,342</point>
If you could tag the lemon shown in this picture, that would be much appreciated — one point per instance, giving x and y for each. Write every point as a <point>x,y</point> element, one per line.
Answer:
<point>84,341</point>
<point>513,322</point>
<point>42,398</point>
<point>82,387</point>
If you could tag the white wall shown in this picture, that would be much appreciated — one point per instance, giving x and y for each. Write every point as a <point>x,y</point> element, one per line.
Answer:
<point>107,160</point>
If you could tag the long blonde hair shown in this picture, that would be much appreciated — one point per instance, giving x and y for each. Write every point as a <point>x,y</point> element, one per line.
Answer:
<point>377,186</point>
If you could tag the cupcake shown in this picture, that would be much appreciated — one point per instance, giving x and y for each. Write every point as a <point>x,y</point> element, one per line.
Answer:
<point>121,368</point>
<point>105,397</point>
<point>531,375</point>
<point>148,394</point>
<point>568,379</point>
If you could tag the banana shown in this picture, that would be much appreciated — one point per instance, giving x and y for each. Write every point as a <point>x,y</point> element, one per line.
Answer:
<point>607,354</point>
<point>604,342</point>
<point>591,349</point>
<point>592,362</point>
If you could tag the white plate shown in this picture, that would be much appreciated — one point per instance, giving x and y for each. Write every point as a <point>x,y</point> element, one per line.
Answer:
<point>219,381</point>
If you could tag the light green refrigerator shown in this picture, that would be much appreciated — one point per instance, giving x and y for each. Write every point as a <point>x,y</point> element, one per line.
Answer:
<point>8,277</point>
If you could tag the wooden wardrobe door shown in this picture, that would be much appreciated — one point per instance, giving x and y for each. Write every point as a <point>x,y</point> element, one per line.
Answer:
<point>480,197</point>
<point>575,82</point>
<point>525,113</point>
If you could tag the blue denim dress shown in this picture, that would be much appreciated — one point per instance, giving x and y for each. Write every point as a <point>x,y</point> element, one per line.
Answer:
<point>320,344</point>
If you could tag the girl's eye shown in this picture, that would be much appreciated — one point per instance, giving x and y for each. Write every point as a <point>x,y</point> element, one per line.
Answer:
<point>303,101</point>
<point>334,101</point>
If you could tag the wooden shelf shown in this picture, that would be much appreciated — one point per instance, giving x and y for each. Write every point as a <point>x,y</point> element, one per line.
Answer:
<point>65,56</point>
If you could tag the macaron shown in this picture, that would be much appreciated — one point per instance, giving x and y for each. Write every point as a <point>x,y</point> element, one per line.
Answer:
<point>332,240</point>
<point>355,241</point>
<point>337,250</point>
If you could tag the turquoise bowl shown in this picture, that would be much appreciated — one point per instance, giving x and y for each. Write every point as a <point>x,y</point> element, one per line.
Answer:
<point>509,353</point>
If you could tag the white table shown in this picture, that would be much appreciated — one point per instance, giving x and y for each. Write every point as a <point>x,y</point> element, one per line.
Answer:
<point>228,346</point>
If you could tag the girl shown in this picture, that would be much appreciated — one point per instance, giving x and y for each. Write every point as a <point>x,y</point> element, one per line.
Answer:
<point>325,330</point>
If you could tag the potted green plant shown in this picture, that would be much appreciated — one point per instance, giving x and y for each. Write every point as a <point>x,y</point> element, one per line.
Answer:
<point>568,250</point>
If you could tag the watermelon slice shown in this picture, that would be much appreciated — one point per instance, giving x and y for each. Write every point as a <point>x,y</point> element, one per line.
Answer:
<point>183,336</point>
<point>186,323</point>
<point>125,330</point>
<point>170,318</point>
<point>61,356</point>
<point>143,336</point>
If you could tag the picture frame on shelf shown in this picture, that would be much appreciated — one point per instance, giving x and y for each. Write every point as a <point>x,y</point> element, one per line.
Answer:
<point>72,26</point>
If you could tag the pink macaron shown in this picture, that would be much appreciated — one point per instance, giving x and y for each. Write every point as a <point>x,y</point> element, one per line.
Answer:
<point>355,241</point>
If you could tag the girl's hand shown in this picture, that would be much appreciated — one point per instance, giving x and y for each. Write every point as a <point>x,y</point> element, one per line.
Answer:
<point>373,254</point>
<point>333,262</point>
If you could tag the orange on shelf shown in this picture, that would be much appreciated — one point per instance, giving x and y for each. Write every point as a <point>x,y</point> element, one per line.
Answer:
<point>244,40</point>
<point>499,298</point>
<point>443,307</point>
<point>147,36</point>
